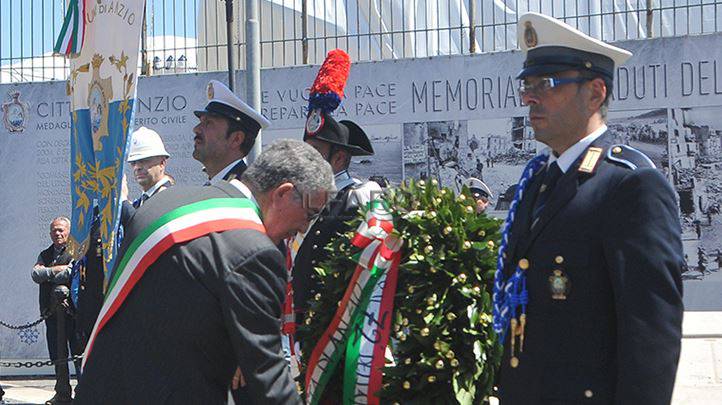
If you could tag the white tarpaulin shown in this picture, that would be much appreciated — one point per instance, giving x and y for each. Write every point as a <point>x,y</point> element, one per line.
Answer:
<point>386,29</point>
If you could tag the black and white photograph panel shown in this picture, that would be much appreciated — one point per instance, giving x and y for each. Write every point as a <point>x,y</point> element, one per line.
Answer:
<point>494,151</point>
<point>384,166</point>
<point>695,170</point>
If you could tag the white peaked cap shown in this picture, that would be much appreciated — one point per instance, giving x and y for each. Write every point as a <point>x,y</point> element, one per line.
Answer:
<point>476,185</point>
<point>222,101</point>
<point>552,46</point>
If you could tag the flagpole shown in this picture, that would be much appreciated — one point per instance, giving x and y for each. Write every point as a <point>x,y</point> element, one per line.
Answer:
<point>253,68</point>
<point>229,46</point>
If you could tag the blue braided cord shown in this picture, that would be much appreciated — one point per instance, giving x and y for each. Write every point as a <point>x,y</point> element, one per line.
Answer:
<point>509,294</point>
<point>525,296</point>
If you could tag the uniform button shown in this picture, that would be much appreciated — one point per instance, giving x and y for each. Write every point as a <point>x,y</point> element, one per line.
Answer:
<point>313,261</point>
<point>617,149</point>
<point>315,247</point>
<point>318,232</point>
<point>523,264</point>
<point>588,393</point>
<point>558,260</point>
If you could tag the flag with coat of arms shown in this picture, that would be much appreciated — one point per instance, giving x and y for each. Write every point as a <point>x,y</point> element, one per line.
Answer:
<point>102,90</point>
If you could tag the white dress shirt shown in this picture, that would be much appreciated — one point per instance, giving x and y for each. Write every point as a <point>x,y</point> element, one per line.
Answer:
<point>566,159</point>
<point>220,175</point>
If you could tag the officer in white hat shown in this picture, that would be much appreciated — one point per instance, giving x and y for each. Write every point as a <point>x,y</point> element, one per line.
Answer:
<point>148,157</point>
<point>588,292</point>
<point>225,133</point>
<point>481,192</point>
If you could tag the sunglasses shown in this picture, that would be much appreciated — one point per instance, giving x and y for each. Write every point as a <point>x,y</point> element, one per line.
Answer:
<point>545,84</point>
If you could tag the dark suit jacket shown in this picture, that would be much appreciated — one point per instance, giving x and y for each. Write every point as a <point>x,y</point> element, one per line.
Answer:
<point>616,336</point>
<point>201,309</point>
<point>329,224</point>
<point>127,208</point>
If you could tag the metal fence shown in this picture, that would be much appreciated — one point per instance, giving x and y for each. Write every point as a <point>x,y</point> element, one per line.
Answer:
<point>190,35</point>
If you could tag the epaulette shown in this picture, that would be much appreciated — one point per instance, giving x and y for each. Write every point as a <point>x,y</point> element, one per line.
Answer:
<point>362,193</point>
<point>629,157</point>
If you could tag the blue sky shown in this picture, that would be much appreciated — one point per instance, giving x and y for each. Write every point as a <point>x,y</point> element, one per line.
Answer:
<point>30,27</point>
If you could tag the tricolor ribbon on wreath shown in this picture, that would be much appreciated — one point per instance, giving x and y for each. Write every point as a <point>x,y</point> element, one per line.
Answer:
<point>359,331</point>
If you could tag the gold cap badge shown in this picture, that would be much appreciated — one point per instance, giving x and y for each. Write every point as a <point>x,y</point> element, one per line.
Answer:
<point>211,93</point>
<point>530,38</point>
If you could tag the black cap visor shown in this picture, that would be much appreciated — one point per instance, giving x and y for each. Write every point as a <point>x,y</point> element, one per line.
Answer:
<point>553,59</point>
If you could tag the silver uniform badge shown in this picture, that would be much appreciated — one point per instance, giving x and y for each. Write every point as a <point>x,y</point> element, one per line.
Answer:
<point>315,122</point>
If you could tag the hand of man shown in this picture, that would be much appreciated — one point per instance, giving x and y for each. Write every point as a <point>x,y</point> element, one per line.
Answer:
<point>124,189</point>
<point>238,380</point>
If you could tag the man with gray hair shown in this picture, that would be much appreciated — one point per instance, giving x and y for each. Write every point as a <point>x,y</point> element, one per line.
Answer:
<point>199,288</point>
<point>52,269</point>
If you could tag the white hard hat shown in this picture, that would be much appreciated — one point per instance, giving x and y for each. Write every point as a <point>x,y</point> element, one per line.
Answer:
<point>145,143</point>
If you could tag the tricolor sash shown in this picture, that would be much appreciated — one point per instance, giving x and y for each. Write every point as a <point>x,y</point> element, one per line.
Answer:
<point>360,329</point>
<point>177,226</point>
<point>72,34</point>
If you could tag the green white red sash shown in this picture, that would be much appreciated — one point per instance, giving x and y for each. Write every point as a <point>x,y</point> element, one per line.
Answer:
<point>177,226</point>
<point>72,34</point>
<point>360,329</point>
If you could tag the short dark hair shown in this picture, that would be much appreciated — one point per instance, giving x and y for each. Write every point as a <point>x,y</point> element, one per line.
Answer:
<point>604,108</point>
<point>249,139</point>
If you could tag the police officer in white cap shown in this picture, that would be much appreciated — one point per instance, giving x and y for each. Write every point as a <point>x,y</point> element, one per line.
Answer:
<point>481,192</point>
<point>148,157</point>
<point>225,133</point>
<point>588,293</point>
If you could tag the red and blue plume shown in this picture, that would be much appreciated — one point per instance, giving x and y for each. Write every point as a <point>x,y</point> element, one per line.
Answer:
<point>327,90</point>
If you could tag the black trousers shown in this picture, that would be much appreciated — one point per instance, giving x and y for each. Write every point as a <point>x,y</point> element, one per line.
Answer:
<point>73,347</point>
<point>241,396</point>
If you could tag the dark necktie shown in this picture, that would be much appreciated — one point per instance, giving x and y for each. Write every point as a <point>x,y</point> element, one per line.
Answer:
<point>552,175</point>
<point>137,203</point>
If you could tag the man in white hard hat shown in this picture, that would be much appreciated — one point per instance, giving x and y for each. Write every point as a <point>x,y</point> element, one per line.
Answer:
<point>588,290</point>
<point>148,157</point>
<point>225,133</point>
